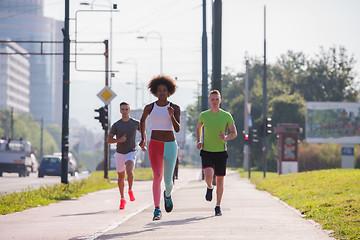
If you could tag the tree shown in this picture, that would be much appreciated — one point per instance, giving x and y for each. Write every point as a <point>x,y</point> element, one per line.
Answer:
<point>293,80</point>
<point>288,109</point>
<point>28,129</point>
<point>330,77</point>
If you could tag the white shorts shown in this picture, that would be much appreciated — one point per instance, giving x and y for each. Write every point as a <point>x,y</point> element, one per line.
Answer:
<point>121,159</point>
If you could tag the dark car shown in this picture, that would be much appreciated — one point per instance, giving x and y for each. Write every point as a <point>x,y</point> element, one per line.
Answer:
<point>50,165</point>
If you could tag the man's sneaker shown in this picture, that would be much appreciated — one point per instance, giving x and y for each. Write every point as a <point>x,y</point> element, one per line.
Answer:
<point>122,203</point>
<point>208,195</point>
<point>218,211</point>
<point>168,203</point>
<point>131,195</point>
<point>157,214</point>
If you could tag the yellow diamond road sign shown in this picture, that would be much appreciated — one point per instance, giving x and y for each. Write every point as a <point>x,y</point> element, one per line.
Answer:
<point>106,95</point>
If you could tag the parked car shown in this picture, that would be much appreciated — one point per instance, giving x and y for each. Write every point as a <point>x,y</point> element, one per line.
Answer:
<point>15,157</point>
<point>72,162</point>
<point>50,165</point>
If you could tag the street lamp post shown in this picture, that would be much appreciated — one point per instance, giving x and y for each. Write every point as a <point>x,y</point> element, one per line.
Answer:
<point>111,7</point>
<point>136,77</point>
<point>161,46</point>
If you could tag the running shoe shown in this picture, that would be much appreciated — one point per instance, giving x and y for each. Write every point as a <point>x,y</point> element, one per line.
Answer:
<point>218,211</point>
<point>208,195</point>
<point>168,203</point>
<point>131,195</point>
<point>122,203</point>
<point>157,214</point>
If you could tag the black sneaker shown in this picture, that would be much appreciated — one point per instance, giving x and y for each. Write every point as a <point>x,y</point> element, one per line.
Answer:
<point>157,214</point>
<point>168,203</point>
<point>208,195</point>
<point>218,211</point>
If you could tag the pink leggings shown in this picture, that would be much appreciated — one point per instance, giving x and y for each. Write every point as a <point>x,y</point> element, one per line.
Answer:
<point>162,155</point>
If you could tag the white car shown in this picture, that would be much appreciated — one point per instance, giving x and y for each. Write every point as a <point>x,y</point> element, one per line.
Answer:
<point>34,163</point>
<point>72,162</point>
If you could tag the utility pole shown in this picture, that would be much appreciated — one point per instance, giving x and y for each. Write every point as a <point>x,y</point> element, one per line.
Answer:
<point>246,120</point>
<point>106,145</point>
<point>12,123</point>
<point>42,138</point>
<point>66,94</point>
<point>204,94</point>
<point>216,49</point>
<point>264,100</point>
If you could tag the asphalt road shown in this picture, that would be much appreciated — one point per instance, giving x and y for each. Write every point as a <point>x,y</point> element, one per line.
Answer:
<point>11,182</point>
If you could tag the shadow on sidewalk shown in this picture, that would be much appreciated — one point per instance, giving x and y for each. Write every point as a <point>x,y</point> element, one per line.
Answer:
<point>154,226</point>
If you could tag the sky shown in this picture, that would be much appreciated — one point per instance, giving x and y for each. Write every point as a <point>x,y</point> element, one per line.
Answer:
<point>176,27</point>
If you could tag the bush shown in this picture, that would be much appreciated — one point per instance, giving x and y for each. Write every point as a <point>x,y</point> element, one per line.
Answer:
<point>315,156</point>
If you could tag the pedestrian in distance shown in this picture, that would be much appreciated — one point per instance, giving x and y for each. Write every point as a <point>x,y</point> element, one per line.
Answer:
<point>212,136</point>
<point>123,133</point>
<point>176,169</point>
<point>164,118</point>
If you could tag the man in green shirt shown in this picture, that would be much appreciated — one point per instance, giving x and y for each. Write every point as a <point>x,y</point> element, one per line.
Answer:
<point>216,123</point>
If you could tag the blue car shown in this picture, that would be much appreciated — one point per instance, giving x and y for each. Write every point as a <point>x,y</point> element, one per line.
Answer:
<point>50,165</point>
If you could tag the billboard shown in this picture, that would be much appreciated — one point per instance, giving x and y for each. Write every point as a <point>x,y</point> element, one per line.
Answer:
<point>332,122</point>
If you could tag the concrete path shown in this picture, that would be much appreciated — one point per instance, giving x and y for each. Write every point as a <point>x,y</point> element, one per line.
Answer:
<point>247,214</point>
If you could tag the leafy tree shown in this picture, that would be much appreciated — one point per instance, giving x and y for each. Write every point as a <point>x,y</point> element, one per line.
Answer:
<point>55,131</point>
<point>293,80</point>
<point>288,109</point>
<point>330,77</point>
<point>26,128</point>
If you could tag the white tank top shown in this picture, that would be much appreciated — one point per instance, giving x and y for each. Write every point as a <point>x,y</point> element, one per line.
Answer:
<point>160,118</point>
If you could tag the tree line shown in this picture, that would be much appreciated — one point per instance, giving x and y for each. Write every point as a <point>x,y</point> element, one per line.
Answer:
<point>292,81</point>
<point>29,129</point>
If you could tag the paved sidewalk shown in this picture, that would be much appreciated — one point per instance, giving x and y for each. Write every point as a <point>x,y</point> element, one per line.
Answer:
<point>247,214</point>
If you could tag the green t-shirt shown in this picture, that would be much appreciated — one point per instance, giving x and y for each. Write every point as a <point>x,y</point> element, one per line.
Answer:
<point>213,124</point>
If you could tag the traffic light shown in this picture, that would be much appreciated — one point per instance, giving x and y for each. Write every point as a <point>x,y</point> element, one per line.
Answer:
<point>268,126</point>
<point>103,117</point>
<point>253,135</point>
<point>246,138</point>
<point>264,128</point>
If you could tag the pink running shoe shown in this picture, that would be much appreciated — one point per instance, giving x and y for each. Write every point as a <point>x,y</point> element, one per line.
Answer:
<point>122,204</point>
<point>131,195</point>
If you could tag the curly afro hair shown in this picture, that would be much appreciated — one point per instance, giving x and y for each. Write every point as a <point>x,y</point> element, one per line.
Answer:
<point>165,80</point>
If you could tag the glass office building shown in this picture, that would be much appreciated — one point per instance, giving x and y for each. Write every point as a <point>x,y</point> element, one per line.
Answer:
<point>23,20</point>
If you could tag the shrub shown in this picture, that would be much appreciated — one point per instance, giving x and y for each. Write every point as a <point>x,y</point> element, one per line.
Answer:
<point>315,156</point>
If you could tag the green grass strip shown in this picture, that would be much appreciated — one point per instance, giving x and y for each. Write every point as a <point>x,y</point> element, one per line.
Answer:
<point>19,201</point>
<point>330,197</point>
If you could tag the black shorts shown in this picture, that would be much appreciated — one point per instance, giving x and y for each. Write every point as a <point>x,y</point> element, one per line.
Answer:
<point>215,160</point>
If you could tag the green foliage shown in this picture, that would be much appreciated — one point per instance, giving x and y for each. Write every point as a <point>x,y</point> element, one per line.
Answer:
<point>28,129</point>
<point>193,117</point>
<point>330,197</point>
<point>55,131</point>
<point>288,109</point>
<point>292,81</point>
<point>89,160</point>
<point>313,156</point>
<point>331,77</point>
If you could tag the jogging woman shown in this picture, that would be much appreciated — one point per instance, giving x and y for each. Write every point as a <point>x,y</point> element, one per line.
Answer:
<point>165,118</point>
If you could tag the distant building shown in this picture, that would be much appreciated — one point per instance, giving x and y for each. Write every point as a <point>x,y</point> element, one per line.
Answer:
<point>23,20</point>
<point>14,78</point>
